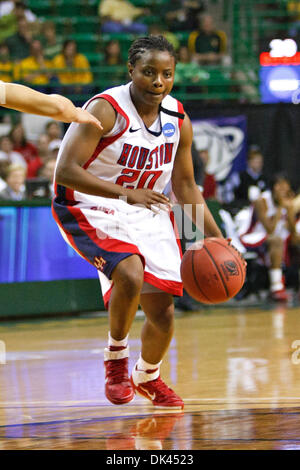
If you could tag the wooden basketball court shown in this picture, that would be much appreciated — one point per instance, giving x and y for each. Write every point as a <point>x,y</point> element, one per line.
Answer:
<point>236,369</point>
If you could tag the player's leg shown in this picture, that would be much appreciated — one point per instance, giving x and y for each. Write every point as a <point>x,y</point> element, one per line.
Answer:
<point>128,278</point>
<point>156,336</point>
<point>275,249</point>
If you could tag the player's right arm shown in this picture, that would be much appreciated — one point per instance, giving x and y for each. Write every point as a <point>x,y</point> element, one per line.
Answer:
<point>79,148</point>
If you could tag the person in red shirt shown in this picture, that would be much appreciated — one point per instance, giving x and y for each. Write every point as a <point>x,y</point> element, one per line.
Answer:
<point>27,149</point>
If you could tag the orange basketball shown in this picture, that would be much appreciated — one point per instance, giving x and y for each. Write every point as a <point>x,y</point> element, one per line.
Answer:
<point>213,271</point>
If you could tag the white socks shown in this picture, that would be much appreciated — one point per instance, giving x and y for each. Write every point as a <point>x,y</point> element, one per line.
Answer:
<point>144,371</point>
<point>275,276</point>
<point>114,342</point>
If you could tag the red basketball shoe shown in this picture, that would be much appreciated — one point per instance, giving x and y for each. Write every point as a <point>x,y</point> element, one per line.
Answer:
<point>155,390</point>
<point>118,388</point>
<point>279,296</point>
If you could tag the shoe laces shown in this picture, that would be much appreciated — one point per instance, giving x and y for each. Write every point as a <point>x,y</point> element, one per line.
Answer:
<point>117,370</point>
<point>161,387</point>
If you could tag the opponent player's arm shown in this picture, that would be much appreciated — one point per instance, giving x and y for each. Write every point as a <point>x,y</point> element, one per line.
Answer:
<point>184,185</point>
<point>23,98</point>
<point>78,150</point>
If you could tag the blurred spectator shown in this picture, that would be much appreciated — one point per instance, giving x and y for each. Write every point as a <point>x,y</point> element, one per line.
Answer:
<point>266,230</point>
<point>8,154</point>
<point>35,69</point>
<point>156,29</point>
<point>27,149</point>
<point>206,44</point>
<point>79,72</point>
<point>241,189</point>
<point>54,147</point>
<point>113,58</point>
<point>3,168</point>
<point>293,8</point>
<point>43,146</point>
<point>51,43</point>
<point>118,16</point>
<point>188,73</point>
<point>184,14</point>
<point>18,8</point>
<point>15,183</point>
<point>19,44</point>
<point>47,173</point>
<point>53,131</point>
<point>112,53</point>
<point>6,64</point>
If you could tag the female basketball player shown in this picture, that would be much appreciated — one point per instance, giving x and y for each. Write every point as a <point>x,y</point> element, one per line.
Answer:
<point>22,98</point>
<point>107,183</point>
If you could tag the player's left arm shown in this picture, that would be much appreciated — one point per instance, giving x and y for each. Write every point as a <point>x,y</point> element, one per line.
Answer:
<point>184,185</point>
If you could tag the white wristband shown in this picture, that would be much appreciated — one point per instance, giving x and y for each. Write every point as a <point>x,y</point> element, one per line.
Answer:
<point>2,93</point>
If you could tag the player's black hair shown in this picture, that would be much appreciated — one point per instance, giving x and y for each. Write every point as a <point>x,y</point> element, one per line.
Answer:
<point>141,45</point>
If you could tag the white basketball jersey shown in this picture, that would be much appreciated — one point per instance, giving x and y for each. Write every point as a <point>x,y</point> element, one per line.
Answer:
<point>132,155</point>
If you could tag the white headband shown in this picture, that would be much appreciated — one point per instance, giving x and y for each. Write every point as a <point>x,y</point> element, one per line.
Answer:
<point>2,93</point>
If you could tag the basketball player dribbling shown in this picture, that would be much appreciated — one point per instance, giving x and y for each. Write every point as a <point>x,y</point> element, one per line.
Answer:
<point>111,209</point>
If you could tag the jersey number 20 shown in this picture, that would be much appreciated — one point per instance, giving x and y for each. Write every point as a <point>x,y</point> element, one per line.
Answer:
<point>142,179</point>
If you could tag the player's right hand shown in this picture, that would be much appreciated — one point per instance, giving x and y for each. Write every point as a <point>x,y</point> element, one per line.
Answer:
<point>147,198</point>
<point>84,117</point>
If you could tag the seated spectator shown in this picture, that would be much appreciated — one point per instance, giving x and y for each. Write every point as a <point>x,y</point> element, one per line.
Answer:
<point>113,58</point>
<point>112,53</point>
<point>188,73</point>
<point>206,44</point>
<point>15,184</point>
<point>183,16</point>
<point>51,43</point>
<point>119,16</point>
<point>54,147</point>
<point>19,44</point>
<point>241,189</point>
<point>53,131</point>
<point>18,8</point>
<point>47,173</point>
<point>35,69</point>
<point>270,223</point>
<point>43,147</point>
<point>8,154</point>
<point>75,67</point>
<point>6,64</point>
<point>3,167</point>
<point>27,149</point>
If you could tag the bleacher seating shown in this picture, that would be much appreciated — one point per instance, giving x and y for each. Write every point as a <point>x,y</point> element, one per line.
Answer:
<point>248,20</point>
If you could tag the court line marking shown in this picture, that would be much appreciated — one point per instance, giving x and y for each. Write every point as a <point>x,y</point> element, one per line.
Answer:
<point>193,401</point>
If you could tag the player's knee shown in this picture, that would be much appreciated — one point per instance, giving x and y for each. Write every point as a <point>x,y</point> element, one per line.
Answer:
<point>129,278</point>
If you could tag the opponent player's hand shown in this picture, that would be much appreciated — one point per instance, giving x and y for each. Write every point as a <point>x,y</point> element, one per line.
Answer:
<point>238,252</point>
<point>84,117</point>
<point>147,198</point>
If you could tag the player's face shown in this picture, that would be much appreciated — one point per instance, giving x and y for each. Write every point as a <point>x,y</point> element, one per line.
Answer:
<point>152,77</point>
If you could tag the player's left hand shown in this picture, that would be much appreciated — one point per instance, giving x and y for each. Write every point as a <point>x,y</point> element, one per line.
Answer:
<point>84,117</point>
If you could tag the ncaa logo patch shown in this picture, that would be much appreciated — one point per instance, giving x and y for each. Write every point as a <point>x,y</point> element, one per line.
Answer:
<point>168,129</point>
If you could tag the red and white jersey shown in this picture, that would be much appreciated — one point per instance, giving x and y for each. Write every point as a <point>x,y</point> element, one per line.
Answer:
<point>132,155</point>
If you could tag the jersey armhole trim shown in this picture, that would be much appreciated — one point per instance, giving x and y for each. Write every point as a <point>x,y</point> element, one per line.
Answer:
<point>105,141</point>
<point>181,111</point>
